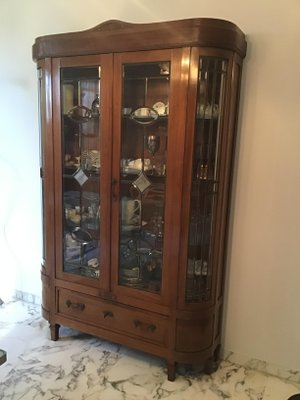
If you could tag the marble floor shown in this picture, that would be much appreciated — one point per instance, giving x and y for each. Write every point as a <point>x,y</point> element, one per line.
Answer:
<point>81,367</point>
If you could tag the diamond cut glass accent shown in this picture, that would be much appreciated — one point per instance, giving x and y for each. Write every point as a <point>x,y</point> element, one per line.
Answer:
<point>142,182</point>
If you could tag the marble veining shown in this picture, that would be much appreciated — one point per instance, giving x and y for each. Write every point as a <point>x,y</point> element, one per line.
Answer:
<point>82,367</point>
<point>262,366</point>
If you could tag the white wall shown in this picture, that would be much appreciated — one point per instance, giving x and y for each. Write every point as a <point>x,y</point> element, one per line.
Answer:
<point>263,296</point>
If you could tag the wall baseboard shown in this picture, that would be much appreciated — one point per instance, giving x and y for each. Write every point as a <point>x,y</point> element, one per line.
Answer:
<point>291,375</point>
<point>27,297</point>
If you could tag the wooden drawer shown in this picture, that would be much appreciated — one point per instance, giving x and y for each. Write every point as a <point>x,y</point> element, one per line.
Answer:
<point>118,318</point>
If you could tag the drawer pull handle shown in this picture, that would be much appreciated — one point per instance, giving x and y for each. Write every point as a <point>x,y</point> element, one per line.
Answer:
<point>107,314</point>
<point>144,326</point>
<point>77,306</point>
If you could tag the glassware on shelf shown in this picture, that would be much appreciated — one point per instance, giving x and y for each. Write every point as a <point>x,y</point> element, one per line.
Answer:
<point>160,166</point>
<point>140,264</point>
<point>153,143</point>
<point>92,220</point>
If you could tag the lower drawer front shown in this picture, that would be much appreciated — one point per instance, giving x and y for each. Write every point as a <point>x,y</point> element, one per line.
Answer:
<point>133,322</point>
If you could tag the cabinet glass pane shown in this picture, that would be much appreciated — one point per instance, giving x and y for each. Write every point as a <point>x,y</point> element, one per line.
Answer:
<point>144,135</point>
<point>81,153</point>
<point>209,108</point>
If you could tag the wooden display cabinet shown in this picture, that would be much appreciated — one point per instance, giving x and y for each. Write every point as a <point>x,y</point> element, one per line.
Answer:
<point>138,124</point>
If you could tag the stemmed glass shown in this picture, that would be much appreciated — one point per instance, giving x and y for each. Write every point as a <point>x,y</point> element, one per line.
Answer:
<point>153,143</point>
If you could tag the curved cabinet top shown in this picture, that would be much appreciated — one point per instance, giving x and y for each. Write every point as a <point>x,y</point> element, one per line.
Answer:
<point>117,36</point>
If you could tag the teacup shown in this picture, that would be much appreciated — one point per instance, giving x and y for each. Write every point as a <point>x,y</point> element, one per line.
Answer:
<point>93,262</point>
<point>131,211</point>
<point>69,241</point>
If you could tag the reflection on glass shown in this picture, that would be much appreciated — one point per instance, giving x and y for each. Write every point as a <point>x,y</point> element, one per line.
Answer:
<point>210,93</point>
<point>142,177</point>
<point>81,153</point>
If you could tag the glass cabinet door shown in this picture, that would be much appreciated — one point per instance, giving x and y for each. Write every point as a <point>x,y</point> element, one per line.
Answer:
<point>143,152</point>
<point>206,155</point>
<point>81,161</point>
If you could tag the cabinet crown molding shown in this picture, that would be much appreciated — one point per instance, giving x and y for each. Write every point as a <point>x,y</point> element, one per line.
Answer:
<point>119,36</point>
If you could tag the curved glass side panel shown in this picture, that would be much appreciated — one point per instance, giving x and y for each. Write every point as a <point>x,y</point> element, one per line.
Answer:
<point>210,99</point>
<point>144,136</point>
<point>41,102</point>
<point>81,154</point>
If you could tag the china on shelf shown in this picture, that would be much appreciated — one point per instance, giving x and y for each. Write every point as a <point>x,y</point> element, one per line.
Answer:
<point>161,108</point>
<point>135,166</point>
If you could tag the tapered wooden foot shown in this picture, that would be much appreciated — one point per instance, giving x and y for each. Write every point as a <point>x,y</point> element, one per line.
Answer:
<point>212,364</point>
<point>171,371</point>
<point>54,331</point>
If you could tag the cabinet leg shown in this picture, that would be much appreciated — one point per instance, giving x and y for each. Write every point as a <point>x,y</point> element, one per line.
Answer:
<point>54,331</point>
<point>210,366</point>
<point>212,363</point>
<point>171,371</point>
<point>217,353</point>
